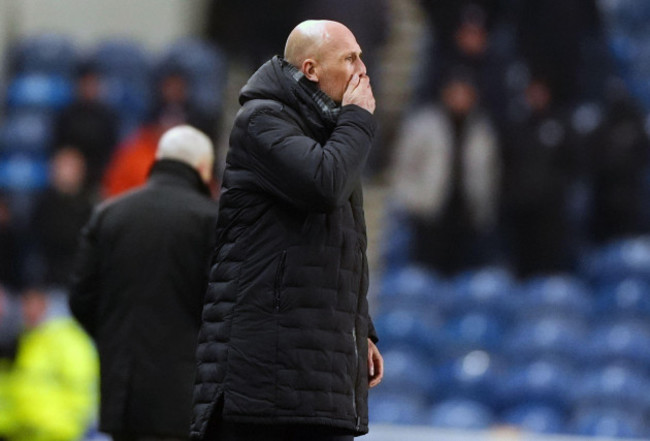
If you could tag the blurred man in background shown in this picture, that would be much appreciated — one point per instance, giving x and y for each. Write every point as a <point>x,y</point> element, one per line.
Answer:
<point>59,214</point>
<point>446,177</point>
<point>88,124</point>
<point>138,289</point>
<point>11,254</point>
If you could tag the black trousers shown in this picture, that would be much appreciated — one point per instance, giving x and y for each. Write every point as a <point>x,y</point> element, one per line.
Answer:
<point>225,431</point>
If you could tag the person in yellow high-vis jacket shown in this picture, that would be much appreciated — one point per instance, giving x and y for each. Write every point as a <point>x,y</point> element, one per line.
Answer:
<point>8,336</point>
<point>54,383</point>
<point>6,414</point>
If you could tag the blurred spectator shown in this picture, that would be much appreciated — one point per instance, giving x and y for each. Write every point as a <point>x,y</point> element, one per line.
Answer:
<point>173,103</point>
<point>465,32</point>
<point>54,381</point>
<point>619,153</point>
<point>10,253</point>
<point>88,124</point>
<point>138,290</point>
<point>446,15</point>
<point>9,324</point>
<point>447,176</point>
<point>133,158</point>
<point>60,213</point>
<point>554,37</point>
<point>539,167</point>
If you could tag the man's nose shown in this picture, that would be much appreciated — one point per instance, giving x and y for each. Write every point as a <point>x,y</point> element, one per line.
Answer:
<point>361,67</point>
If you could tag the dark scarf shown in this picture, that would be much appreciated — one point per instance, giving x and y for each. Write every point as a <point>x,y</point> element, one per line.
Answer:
<point>329,109</point>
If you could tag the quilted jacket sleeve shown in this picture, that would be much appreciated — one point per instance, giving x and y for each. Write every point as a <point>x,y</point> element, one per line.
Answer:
<point>299,170</point>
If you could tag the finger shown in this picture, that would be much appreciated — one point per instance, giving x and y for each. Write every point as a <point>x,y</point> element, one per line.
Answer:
<point>379,368</point>
<point>371,363</point>
<point>354,81</point>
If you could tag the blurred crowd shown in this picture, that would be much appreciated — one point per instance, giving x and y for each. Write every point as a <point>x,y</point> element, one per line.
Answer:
<point>79,126</point>
<point>515,263</point>
<point>525,145</point>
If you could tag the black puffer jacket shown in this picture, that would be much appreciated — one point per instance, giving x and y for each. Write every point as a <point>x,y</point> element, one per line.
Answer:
<point>285,321</point>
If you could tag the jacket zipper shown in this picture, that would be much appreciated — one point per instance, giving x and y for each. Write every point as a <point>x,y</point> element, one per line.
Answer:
<point>356,349</point>
<point>356,376</point>
<point>278,281</point>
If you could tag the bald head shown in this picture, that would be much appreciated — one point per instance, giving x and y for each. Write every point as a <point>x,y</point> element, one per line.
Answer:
<point>310,38</point>
<point>189,145</point>
<point>327,53</point>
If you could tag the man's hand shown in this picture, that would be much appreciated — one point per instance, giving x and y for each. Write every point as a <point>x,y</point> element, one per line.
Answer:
<point>359,92</point>
<point>375,365</point>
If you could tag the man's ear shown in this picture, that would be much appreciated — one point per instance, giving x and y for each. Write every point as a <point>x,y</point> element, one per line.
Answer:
<point>205,171</point>
<point>309,69</point>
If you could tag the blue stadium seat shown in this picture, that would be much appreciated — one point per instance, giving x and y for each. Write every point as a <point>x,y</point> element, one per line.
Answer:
<point>205,64</point>
<point>485,289</point>
<point>614,385</point>
<point>409,372</point>
<point>474,330</point>
<point>623,341</point>
<point>195,56</point>
<point>619,260</point>
<point>396,240</point>
<point>405,326</point>
<point>28,132</point>
<point>128,84</point>
<point>122,57</point>
<point>131,98</point>
<point>609,423</point>
<point>559,295</point>
<point>545,381</point>
<point>39,91</point>
<point>473,376</point>
<point>629,13</point>
<point>545,336</point>
<point>628,298</point>
<point>461,414</point>
<point>22,173</point>
<point>624,50</point>
<point>396,408</point>
<point>536,418</point>
<point>46,53</point>
<point>412,285</point>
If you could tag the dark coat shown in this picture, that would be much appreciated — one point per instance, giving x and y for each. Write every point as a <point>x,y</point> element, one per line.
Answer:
<point>138,289</point>
<point>285,321</point>
<point>58,219</point>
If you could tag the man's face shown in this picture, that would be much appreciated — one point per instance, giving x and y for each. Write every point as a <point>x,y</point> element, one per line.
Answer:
<point>339,59</point>
<point>34,307</point>
<point>459,96</point>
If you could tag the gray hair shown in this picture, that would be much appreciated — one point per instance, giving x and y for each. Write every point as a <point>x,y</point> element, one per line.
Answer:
<point>186,144</point>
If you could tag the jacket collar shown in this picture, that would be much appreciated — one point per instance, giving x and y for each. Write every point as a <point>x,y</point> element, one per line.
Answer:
<point>172,172</point>
<point>328,108</point>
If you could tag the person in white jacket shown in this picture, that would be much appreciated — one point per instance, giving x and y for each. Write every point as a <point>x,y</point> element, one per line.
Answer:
<point>446,176</point>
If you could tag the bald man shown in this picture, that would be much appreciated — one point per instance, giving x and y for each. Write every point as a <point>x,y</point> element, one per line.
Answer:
<point>138,289</point>
<point>287,348</point>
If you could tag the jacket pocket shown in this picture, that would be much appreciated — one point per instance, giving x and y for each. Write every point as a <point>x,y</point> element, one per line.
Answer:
<point>277,284</point>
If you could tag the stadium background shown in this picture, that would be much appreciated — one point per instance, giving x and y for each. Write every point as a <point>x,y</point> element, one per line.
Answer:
<point>481,355</point>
